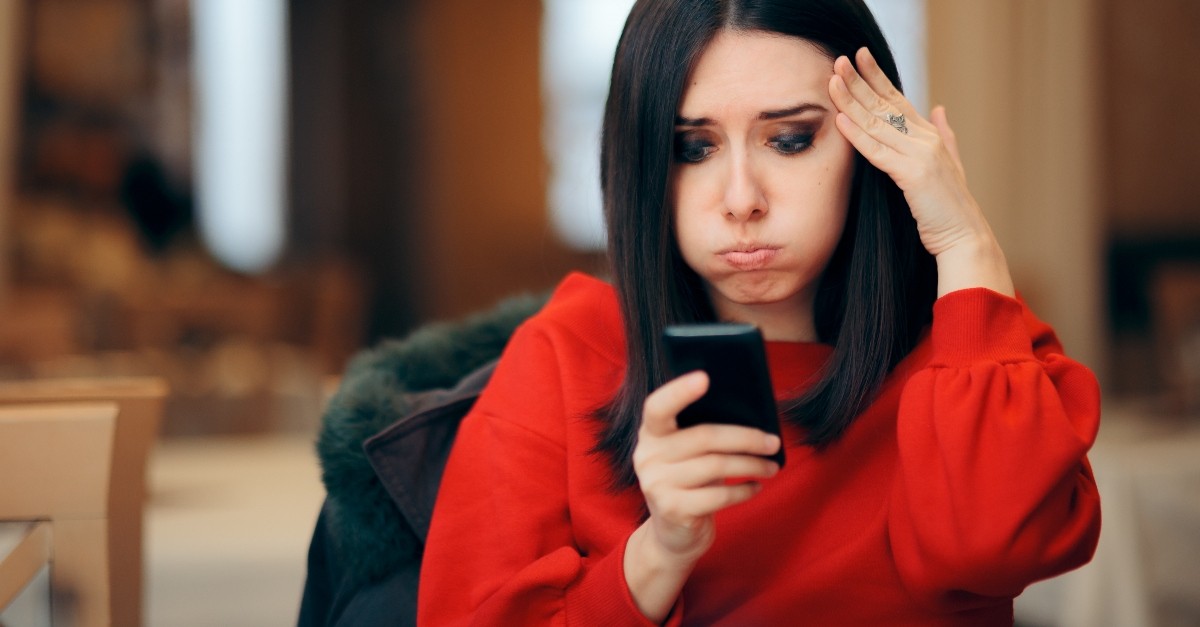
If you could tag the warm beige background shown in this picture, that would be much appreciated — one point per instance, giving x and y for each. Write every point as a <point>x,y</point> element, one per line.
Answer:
<point>1019,80</point>
<point>1076,120</point>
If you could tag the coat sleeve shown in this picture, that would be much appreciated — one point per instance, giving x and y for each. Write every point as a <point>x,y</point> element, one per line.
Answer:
<point>500,549</point>
<point>995,490</point>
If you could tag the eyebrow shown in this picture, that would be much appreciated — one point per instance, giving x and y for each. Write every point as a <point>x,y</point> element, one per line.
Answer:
<point>765,115</point>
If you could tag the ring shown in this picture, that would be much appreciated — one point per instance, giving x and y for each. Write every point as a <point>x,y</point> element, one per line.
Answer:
<point>897,121</point>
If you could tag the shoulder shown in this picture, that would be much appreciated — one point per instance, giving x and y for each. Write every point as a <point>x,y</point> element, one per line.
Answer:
<point>562,362</point>
<point>581,318</point>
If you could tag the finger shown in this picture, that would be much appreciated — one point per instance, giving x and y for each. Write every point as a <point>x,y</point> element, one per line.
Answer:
<point>874,76</point>
<point>938,118</point>
<point>704,439</point>
<point>713,499</point>
<point>717,468</point>
<point>873,125</point>
<point>864,93</point>
<point>864,141</point>
<point>866,145</point>
<point>689,505</point>
<point>663,404</point>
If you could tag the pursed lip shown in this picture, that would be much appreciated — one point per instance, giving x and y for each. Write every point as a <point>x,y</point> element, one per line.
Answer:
<point>749,256</point>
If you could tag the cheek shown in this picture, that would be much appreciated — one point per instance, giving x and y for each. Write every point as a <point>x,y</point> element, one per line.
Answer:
<point>837,178</point>
<point>688,199</point>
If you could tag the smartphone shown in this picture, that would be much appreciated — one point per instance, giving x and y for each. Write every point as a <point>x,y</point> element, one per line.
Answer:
<point>739,383</point>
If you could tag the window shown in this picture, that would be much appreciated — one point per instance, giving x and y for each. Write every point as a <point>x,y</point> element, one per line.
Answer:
<point>240,125</point>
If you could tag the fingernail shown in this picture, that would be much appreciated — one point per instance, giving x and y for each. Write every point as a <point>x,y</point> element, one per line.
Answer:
<point>772,442</point>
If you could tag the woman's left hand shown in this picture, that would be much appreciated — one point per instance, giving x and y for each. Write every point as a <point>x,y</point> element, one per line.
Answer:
<point>925,164</point>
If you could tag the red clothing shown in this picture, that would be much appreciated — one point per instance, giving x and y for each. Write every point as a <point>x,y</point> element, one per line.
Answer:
<point>965,481</point>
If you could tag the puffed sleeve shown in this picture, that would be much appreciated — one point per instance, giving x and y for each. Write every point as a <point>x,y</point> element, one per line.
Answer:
<point>995,490</point>
<point>500,549</point>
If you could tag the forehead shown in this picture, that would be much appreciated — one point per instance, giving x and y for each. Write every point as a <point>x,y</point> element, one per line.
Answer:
<point>759,69</point>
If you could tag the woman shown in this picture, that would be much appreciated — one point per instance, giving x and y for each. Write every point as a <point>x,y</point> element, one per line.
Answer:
<point>760,166</point>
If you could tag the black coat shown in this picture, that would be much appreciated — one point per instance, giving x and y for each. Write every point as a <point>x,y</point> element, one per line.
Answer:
<point>383,446</point>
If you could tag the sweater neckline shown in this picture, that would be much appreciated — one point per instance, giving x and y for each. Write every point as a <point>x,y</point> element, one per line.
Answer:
<point>795,365</point>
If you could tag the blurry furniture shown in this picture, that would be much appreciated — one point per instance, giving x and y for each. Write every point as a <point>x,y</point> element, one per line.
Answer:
<point>1147,467</point>
<point>140,400</point>
<point>11,42</point>
<point>55,461</point>
<point>1176,293</point>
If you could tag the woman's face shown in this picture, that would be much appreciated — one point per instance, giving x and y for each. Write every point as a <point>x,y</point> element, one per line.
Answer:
<point>761,178</point>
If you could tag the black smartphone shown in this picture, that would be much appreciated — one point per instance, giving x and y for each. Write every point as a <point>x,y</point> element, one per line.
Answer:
<point>739,383</point>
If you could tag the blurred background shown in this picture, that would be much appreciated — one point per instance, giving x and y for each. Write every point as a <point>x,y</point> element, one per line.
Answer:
<point>237,195</point>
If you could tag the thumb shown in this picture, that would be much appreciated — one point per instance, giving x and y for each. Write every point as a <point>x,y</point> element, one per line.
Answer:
<point>938,117</point>
<point>665,403</point>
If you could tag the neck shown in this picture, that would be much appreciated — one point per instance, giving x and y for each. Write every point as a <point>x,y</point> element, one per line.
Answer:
<point>779,322</point>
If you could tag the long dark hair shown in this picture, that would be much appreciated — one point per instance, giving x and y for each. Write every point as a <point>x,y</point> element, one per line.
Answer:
<point>876,294</point>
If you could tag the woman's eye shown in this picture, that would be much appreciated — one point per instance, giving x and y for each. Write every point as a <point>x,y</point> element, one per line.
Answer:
<point>692,151</point>
<point>791,144</point>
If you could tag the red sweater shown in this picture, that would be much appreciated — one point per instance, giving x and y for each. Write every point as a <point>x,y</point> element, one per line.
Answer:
<point>965,481</point>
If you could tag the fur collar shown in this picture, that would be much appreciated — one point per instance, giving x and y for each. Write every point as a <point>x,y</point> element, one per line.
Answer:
<point>380,387</point>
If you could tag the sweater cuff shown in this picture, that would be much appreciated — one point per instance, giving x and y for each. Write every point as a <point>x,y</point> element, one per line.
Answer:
<point>976,324</point>
<point>603,597</point>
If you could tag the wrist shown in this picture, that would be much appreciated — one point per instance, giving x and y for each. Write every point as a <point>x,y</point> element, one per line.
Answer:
<point>974,262</point>
<point>654,576</point>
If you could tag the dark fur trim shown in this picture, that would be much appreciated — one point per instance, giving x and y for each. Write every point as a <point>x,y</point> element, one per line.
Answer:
<point>378,389</point>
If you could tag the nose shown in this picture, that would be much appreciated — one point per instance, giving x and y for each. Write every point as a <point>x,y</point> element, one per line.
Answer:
<point>744,197</point>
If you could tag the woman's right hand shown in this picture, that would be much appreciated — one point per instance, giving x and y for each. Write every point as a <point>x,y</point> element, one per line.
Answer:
<point>684,476</point>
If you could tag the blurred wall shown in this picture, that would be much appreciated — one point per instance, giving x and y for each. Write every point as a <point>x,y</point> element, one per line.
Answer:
<point>417,148</point>
<point>10,20</point>
<point>1151,130</point>
<point>489,230</point>
<point>1078,129</point>
<point>1021,86</point>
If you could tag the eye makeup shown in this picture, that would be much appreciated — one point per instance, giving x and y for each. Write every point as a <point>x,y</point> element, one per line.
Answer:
<point>692,147</point>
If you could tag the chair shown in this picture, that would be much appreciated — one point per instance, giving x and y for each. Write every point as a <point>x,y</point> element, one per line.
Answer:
<point>55,460</point>
<point>140,401</point>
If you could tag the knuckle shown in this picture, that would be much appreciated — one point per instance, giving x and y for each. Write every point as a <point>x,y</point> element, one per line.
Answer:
<point>721,466</point>
<point>703,436</point>
<point>653,481</point>
<point>732,495</point>
<point>671,507</point>
<point>645,458</point>
<point>921,171</point>
<point>653,406</point>
<point>880,103</point>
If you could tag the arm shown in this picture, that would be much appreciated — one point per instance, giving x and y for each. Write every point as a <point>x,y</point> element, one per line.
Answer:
<point>994,490</point>
<point>924,162</point>
<point>500,547</point>
<point>684,475</point>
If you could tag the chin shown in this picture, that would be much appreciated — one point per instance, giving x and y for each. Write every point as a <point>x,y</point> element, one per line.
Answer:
<point>768,290</point>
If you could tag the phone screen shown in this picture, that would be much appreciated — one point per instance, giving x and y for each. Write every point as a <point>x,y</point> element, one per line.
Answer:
<point>739,389</point>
